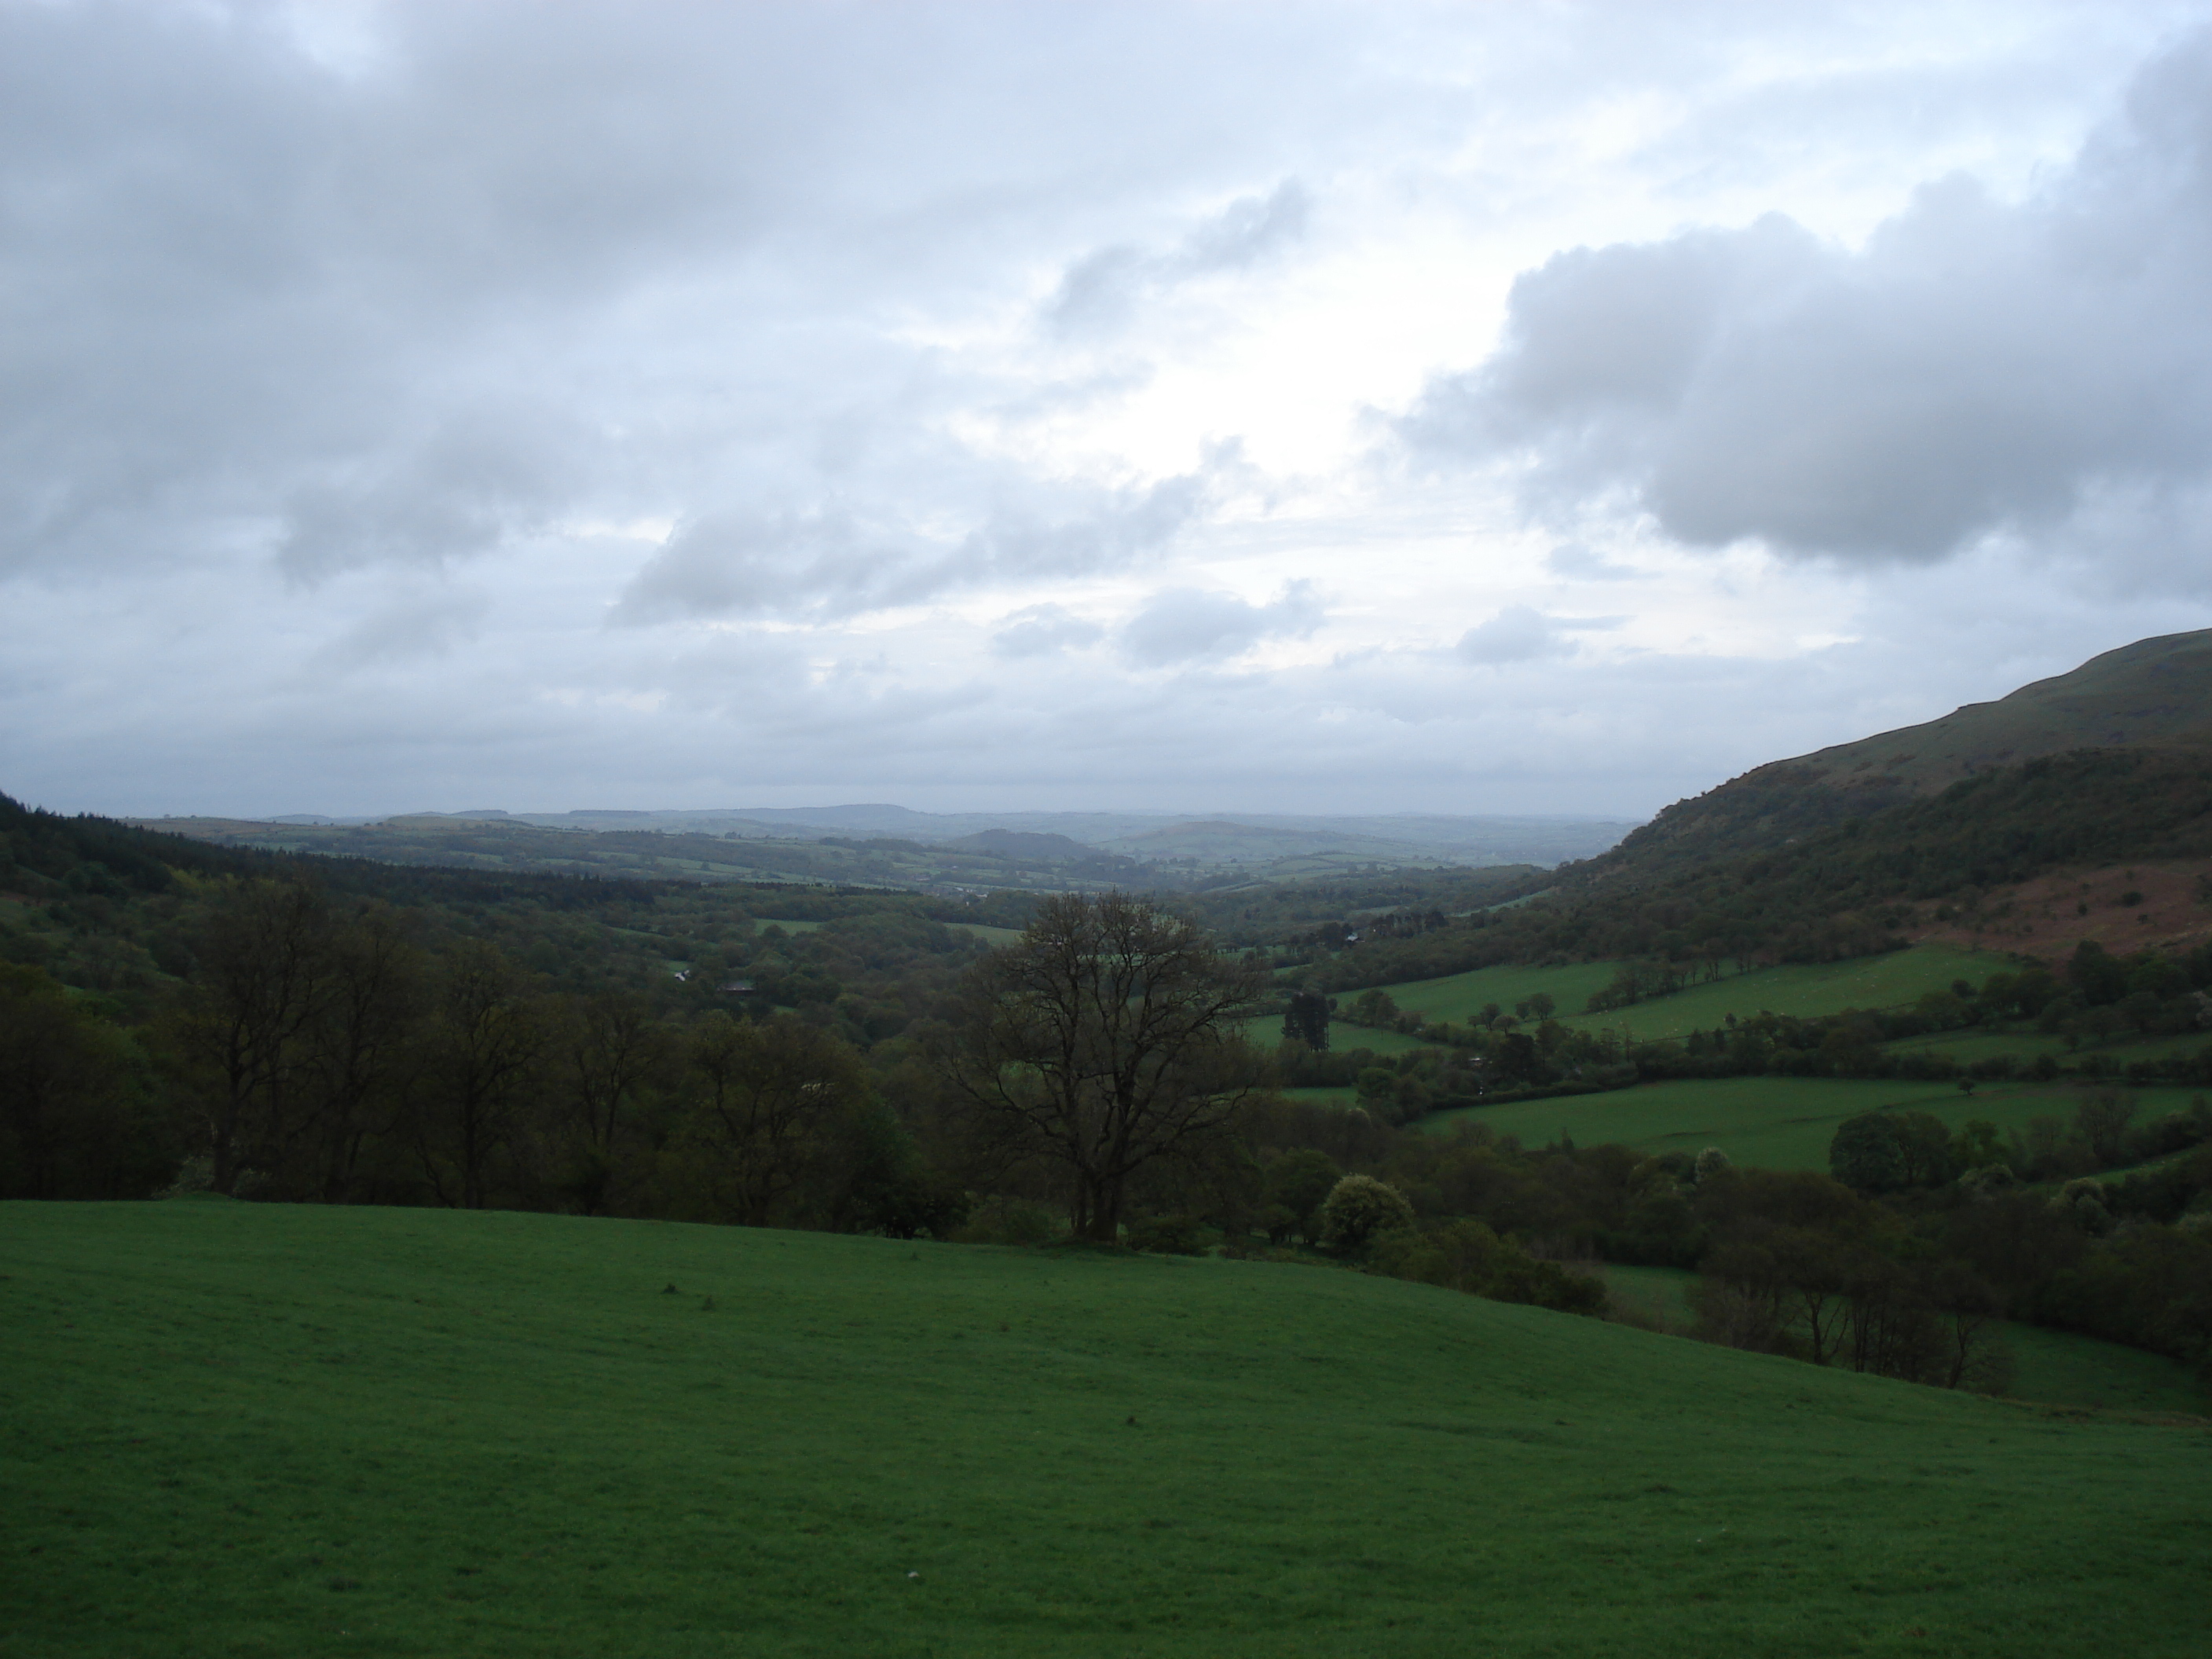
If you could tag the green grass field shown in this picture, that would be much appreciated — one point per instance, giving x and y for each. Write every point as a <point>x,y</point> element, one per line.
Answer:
<point>1267,1031</point>
<point>1776,1123</point>
<point>1883,981</point>
<point>989,935</point>
<point>243,1429</point>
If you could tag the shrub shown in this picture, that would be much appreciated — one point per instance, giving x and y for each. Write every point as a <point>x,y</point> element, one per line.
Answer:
<point>1168,1235</point>
<point>1359,1209</point>
<point>1865,1154</point>
<point>1297,1184</point>
<point>1009,1221</point>
<point>1463,1254</point>
<point>1989,1181</point>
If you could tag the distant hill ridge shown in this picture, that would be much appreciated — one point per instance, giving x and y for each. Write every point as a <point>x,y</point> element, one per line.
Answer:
<point>2155,694</point>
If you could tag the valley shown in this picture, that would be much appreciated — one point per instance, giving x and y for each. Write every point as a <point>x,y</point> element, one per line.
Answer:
<point>1828,1161</point>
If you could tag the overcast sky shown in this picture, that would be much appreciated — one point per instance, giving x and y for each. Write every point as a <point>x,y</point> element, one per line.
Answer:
<point>1485,408</point>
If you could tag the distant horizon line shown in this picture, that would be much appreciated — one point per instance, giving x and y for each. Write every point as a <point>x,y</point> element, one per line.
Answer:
<point>1217,814</point>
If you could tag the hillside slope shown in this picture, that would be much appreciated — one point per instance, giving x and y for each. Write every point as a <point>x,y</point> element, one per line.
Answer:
<point>229,1428</point>
<point>2155,694</point>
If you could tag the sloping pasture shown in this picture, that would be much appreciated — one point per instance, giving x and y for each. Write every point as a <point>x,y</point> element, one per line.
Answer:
<point>1776,1123</point>
<point>229,1428</point>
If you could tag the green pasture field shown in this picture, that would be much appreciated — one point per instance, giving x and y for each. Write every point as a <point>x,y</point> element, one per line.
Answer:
<point>1458,996</point>
<point>2056,1368</point>
<point>1883,981</point>
<point>1890,980</point>
<point>985,931</point>
<point>1773,1122</point>
<point>238,1430</point>
<point>761,924</point>
<point>1266,1032</point>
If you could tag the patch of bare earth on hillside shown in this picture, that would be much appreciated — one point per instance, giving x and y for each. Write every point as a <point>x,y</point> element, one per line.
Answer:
<point>2123,906</point>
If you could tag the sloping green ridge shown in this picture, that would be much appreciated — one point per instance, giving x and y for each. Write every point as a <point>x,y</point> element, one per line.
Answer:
<point>2152,694</point>
<point>237,1430</point>
<point>2155,694</point>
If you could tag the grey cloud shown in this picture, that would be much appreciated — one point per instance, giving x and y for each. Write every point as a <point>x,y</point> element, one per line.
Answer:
<point>1102,290</point>
<point>1186,625</point>
<point>1517,633</point>
<point>409,630</point>
<point>730,564</point>
<point>482,477</point>
<point>1978,367</point>
<point>826,563</point>
<point>1044,630</point>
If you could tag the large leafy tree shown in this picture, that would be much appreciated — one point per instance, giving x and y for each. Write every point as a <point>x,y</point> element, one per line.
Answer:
<point>1106,1040</point>
<point>770,1095</point>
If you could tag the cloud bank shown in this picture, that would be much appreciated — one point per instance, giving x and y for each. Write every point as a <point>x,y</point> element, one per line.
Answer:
<point>555,403</point>
<point>1978,367</point>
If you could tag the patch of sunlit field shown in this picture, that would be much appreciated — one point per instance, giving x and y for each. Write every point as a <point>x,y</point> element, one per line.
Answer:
<point>229,1429</point>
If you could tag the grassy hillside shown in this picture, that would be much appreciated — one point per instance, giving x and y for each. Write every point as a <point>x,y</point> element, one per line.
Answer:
<point>1774,1122</point>
<point>229,1429</point>
<point>2154,693</point>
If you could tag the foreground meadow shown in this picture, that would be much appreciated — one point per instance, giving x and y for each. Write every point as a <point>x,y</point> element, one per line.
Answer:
<point>229,1428</point>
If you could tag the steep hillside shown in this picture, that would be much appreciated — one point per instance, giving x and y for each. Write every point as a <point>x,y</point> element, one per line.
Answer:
<point>2155,694</point>
<point>2077,808</point>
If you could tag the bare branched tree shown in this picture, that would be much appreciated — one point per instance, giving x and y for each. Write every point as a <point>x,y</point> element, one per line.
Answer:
<point>769,1094</point>
<point>1106,1039</point>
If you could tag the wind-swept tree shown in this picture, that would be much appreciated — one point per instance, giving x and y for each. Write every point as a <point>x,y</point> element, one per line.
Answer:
<point>1104,1039</point>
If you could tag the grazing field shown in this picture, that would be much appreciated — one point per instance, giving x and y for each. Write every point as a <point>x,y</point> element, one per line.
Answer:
<point>1883,981</point>
<point>989,935</point>
<point>1829,987</point>
<point>1776,1123</point>
<point>229,1428</point>
<point>1267,1031</point>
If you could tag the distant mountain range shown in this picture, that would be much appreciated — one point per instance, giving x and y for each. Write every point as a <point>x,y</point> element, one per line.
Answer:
<point>1207,840</point>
